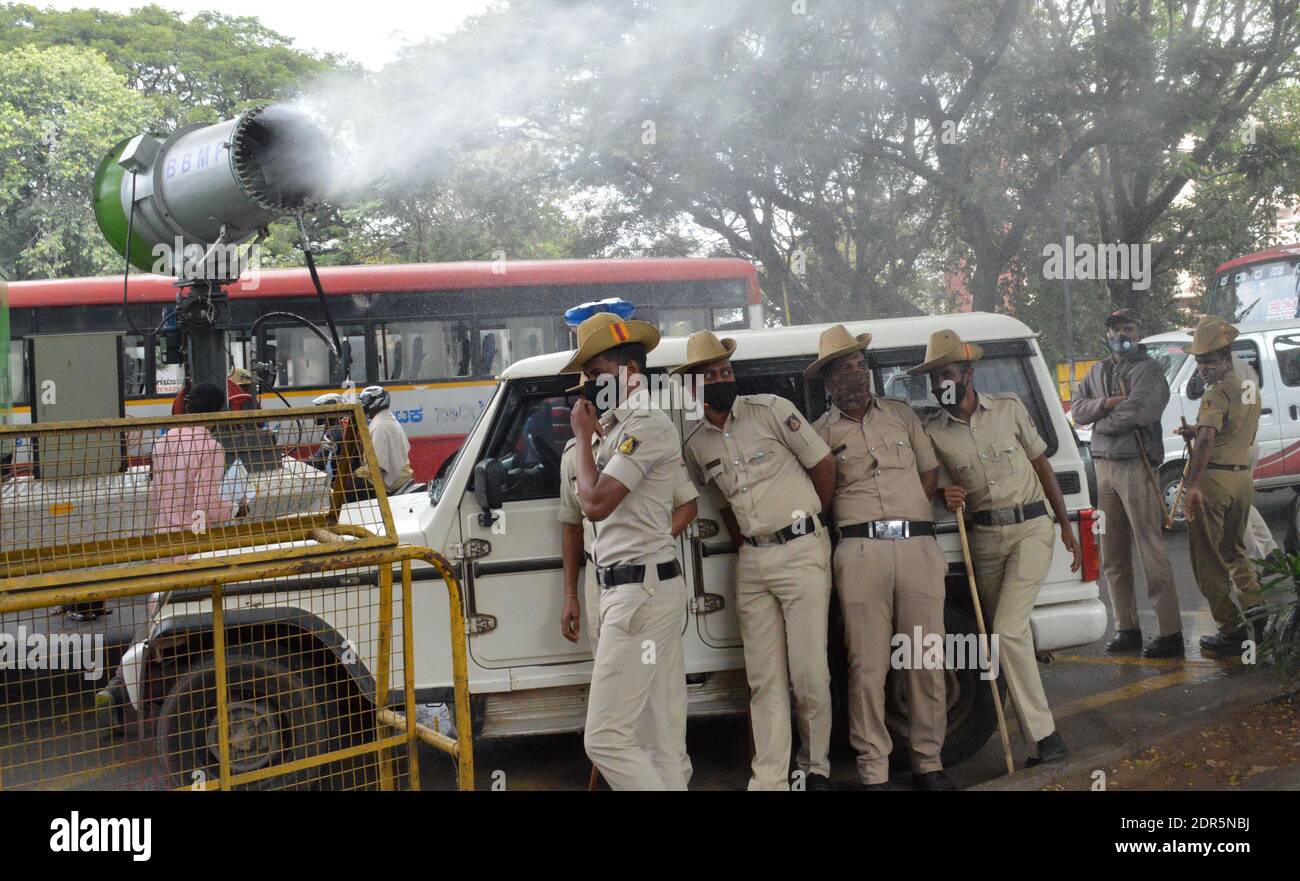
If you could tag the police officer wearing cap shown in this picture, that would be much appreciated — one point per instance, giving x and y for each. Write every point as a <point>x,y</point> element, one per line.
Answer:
<point>771,475</point>
<point>1123,398</point>
<point>995,457</point>
<point>889,570</point>
<point>628,463</point>
<point>1219,485</point>
<point>578,536</point>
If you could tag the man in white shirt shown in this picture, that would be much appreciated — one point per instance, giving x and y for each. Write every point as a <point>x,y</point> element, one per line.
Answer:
<point>392,448</point>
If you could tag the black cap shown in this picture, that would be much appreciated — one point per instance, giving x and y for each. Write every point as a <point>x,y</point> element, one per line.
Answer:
<point>1120,316</point>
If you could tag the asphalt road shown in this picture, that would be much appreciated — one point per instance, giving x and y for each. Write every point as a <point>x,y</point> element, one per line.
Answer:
<point>1101,702</point>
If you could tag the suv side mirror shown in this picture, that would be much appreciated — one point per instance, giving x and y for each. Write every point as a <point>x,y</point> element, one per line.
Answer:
<point>489,488</point>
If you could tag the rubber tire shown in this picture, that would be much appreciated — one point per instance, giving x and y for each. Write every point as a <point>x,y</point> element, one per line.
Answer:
<point>302,709</point>
<point>972,716</point>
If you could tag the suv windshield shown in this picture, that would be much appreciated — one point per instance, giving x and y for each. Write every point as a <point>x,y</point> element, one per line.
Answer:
<point>1169,355</point>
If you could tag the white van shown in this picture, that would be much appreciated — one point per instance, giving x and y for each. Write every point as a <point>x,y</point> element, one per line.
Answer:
<point>525,678</point>
<point>1273,349</point>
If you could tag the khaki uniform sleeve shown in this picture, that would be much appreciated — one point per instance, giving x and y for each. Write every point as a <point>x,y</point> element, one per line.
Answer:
<point>570,511</point>
<point>645,443</point>
<point>685,490</point>
<point>922,446</point>
<point>1033,443</point>
<point>797,433</point>
<point>1214,408</point>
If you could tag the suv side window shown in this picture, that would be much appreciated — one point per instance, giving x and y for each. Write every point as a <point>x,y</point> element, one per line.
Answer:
<point>1005,367</point>
<point>1287,351</point>
<point>530,443</point>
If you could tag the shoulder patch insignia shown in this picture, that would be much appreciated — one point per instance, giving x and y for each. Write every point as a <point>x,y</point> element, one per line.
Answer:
<point>793,423</point>
<point>629,445</point>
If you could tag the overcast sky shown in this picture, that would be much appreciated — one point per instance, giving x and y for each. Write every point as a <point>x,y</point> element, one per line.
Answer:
<point>368,31</point>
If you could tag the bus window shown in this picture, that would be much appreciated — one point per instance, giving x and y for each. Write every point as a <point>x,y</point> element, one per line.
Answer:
<point>168,378</point>
<point>303,360</point>
<point>682,322</point>
<point>516,339</point>
<point>17,371</point>
<point>732,318</point>
<point>135,377</point>
<point>412,350</point>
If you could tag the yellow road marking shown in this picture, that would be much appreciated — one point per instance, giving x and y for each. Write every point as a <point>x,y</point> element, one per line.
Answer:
<point>1132,690</point>
<point>1136,661</point>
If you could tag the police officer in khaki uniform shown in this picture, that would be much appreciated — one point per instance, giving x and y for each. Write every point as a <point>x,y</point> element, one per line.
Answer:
<point>579,536</point>
<point>889,570</point>
<point>770,475</point>
<point>994,455</point>
<point>1219,486</point>
<point>636,712</point>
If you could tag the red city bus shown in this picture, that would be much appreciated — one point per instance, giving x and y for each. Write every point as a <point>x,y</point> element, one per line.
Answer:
<point>1263,286</point>
<point>434,334</point>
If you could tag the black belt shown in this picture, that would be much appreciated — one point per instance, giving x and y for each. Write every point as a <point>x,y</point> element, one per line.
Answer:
<point>806,526</point>
<point>1009,516</point>
<point>886,529</point>
<point>613,576</point>
<point>1219,466</point>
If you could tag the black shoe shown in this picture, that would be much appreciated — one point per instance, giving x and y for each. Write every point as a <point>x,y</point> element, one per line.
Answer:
<point>1050,749</point>
<point>1224,644</point>
<point>933,781</point>
<point>1170,646</point>
<point>870,787</point>
<point>1125,641</point>
<point>816,783</point>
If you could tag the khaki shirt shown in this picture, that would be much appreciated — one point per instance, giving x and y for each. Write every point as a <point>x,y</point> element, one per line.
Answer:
<point>571,510</point>
<point>755,463</point>
<point>989,456</point>
<point>1231,407</point>
<point>879,462</point>
<point>641,450</point>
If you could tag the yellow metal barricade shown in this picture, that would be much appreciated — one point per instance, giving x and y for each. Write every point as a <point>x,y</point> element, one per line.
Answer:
<point>215,601</point>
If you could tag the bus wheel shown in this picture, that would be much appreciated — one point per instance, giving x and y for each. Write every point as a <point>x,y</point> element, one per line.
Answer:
<point>275,717</point>
<point>972,718</point>
<point>1170,478</point>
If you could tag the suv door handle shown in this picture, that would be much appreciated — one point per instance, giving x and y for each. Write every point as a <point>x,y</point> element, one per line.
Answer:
<point>1294,414</point>
<point>1267,410</point>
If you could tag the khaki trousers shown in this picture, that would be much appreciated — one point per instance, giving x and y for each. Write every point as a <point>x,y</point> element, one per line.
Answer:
<point>1010,565</point>
<point>887,587</point>
<point>653,727</point>
<point>782,601</point>
<point>636,711</point>
<point>1217,548</point>
<point>1134,517</point>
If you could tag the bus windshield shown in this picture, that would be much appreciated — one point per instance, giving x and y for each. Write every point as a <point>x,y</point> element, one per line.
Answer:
<point>1264,291</point>
<point>1170,355</point>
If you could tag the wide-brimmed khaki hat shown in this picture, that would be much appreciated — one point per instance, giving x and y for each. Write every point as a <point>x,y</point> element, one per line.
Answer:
<point>945,347</point>
<point>1213,333</point>
<point>240,376</point>
<point>702,347</point>
<point>834,342</point>
<point>604,331</point>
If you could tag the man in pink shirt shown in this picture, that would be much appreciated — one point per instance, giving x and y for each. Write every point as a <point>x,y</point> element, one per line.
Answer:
<point>188,463</point>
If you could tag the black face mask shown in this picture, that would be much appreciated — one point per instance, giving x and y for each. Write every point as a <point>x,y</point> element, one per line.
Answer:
<point>949,393</point>
<point>720,395</point>
<point>591,391</point>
